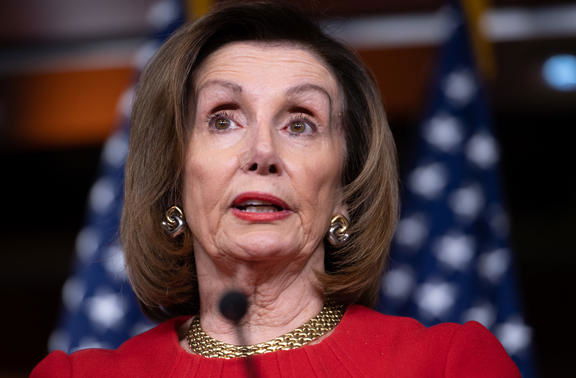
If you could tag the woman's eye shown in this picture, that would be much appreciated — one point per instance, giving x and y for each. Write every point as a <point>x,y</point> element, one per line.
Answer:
<point>297,127</point>
<point>221,122</point>
<point>300,127</point>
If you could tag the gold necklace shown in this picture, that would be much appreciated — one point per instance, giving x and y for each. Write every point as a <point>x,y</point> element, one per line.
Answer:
<point>206,346</point>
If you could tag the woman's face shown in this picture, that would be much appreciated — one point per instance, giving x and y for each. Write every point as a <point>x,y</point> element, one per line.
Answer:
<point>264,160</point>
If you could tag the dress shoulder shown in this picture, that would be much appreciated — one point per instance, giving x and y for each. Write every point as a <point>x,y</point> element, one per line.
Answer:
<point>56,364</point>
<point>475,352</point>
<point>146,355</point>
<point>445,350</point>
<point>83,363</point>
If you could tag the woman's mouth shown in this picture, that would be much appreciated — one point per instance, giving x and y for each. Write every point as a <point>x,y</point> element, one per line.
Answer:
<point>255,206</point>
<point>259,207</point>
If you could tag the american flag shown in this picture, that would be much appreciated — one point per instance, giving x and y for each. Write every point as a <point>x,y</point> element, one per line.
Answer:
<point>99,307</point>
<point>450,260</point>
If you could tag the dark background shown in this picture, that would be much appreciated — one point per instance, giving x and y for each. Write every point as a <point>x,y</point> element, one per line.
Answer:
<point>45,182</point>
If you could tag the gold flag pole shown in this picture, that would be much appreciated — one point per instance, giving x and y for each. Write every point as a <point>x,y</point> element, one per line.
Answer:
<point>197,8</point>
<point>474,11</point>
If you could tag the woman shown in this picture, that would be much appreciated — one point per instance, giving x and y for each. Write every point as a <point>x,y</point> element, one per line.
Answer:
<point>263,145</point>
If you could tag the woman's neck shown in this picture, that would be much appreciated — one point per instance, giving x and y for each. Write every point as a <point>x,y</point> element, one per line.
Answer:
<point>282,295</point>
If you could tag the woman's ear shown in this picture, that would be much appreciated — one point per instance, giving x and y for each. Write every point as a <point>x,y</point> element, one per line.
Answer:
<point>341,209</point>
<point>340,206</point>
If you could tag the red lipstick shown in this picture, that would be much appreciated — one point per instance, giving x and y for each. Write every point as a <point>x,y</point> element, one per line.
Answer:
<point>260,207</point>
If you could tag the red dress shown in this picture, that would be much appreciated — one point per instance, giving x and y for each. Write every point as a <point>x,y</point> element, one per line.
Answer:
<point>364,344</point>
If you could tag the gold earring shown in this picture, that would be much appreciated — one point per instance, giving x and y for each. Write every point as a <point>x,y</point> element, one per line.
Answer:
<point>337,234</point>
<point>173,223</point>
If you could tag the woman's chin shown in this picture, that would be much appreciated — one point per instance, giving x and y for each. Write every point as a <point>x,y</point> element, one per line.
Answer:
<point>263,245</point>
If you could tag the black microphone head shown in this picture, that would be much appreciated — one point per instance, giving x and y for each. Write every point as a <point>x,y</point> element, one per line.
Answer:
<point>233,305</point>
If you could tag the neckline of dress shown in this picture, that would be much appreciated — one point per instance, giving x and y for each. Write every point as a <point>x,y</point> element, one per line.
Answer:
<point>178,321</point>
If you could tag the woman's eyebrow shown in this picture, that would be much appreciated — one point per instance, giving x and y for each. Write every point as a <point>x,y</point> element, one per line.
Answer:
<point>221,83</point>
<point>308,87</point>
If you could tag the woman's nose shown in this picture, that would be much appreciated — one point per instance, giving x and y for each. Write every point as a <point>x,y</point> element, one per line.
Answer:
<point>262,154</point>
<point>263,168</point>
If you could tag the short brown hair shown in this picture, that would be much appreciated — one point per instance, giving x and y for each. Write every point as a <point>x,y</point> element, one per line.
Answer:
<point>161,269</point>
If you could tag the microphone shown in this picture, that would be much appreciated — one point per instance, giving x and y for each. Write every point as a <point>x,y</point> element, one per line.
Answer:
<point>233,306</point>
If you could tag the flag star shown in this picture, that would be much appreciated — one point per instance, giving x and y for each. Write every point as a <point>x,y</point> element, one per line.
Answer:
<point>482,150</point>
<point>102,195</point>
<point>498,220</point>
<point>116,150</point>
<point>87,243</point>
<point>467,201</point>
<point>114,261</point>
<point>429,180</point>
<point>399,282</point>
<point>455,250</point>
<point>459,87</point>
<point>493,264</point>
<point>444,132</point>
<point>514,335</point>
<point>435,298</point>
<point>412,231</point>
<point>483,313</point>
<point>145,53</point>
<point>58,340</point>
<point>73,293</point>
<point>106,309</point>
<point>124,105</point>
<point>162,13</point>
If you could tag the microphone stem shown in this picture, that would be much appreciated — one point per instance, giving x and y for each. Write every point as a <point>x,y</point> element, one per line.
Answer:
<point>251,368</point>
<point>233,306</point>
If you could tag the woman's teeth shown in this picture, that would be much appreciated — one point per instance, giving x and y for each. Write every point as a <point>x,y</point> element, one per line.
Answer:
<point>258,207</point>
